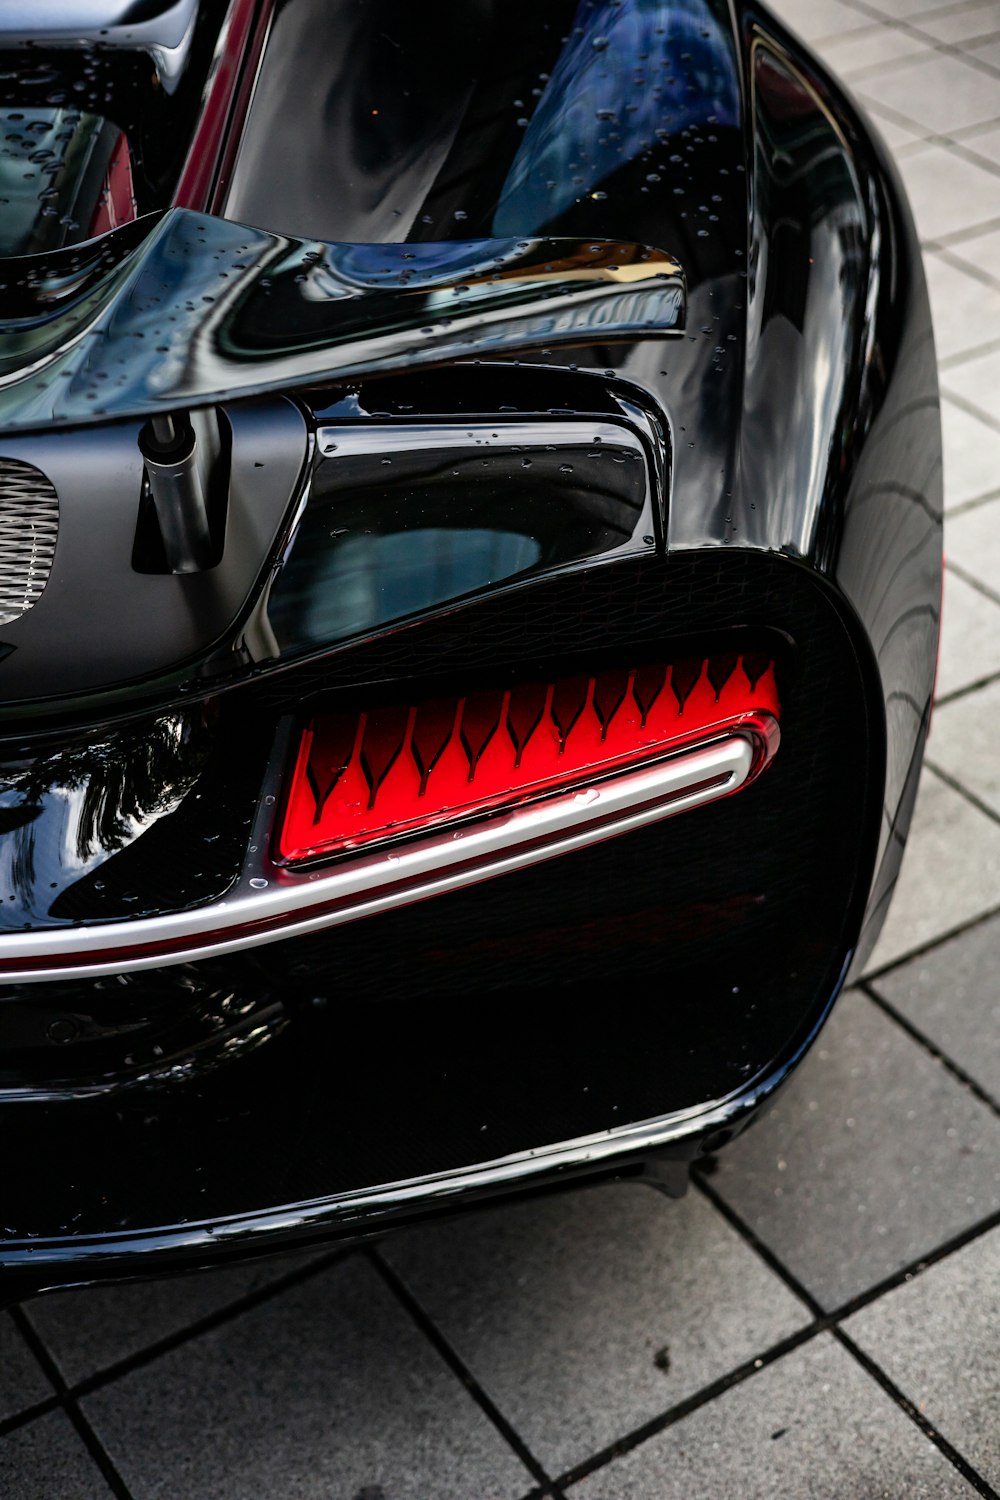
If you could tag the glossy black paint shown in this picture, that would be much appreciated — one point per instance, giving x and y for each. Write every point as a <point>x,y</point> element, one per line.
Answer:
<point>429,513</point>
<point>253,313</point>
<point>76,148</point>
<point>153,97</point>
<point>802,402</point>
<point>800,410</point>
<point>110,614</point>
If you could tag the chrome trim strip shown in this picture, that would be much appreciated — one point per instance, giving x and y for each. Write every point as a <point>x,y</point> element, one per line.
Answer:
<point>286,902</point>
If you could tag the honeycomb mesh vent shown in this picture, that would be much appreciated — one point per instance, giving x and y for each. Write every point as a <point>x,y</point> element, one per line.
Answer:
<point>29,525</point>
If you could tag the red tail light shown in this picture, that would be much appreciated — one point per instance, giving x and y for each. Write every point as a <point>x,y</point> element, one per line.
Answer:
<point>403,769</point>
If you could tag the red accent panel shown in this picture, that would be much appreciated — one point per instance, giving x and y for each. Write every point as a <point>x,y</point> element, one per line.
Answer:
<point>116,204</point>
<point>224,103</point>
<point>363,777</point>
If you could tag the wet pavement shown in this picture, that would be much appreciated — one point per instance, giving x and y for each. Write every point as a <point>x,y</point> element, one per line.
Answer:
<point>820,1316</point>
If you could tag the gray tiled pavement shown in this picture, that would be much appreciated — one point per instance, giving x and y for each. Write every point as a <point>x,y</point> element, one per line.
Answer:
<point>812,1424</point>
<point>937,1338</point>
<point>327,1389</point>
<point>870,1159</point>
<point>821,1315</point>
<point>589,1300</point>
<point>47,1459</point>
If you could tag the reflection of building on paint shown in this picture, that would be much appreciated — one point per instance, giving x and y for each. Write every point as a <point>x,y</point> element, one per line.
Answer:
<point>685,80</point>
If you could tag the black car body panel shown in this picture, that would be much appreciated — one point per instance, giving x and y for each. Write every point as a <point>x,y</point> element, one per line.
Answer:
<point>641,997</point>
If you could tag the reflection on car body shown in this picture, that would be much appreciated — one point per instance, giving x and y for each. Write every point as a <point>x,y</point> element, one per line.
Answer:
<point>470,491</point>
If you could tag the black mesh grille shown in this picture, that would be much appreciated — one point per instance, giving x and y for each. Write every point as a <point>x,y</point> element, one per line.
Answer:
<point>645,975</point>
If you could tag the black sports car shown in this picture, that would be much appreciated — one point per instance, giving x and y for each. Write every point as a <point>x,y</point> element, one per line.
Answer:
<point>470,561</point>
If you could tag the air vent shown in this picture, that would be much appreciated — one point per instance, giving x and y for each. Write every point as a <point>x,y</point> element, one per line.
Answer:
<point>29,525</point>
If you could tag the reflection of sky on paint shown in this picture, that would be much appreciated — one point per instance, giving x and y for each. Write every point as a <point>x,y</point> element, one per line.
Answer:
<point>610,97</point>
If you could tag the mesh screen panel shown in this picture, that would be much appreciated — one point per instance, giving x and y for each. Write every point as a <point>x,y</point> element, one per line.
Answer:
<point>29,526</point>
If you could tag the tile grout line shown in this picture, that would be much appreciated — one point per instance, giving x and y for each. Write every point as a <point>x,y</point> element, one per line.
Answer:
<point>970,409</point>
<point>916,1035</point>
<point>953,237</point>
<point>950,241</point>
<point>950,257</point>
<point>933,43</point>
<point>856,76</point>
<point>681,1409</point>
<point>915,1268</point>
<point>964,147</point>
<point>972,580</point>
<point>150,1352</point>
<point>970,1474</point>
<point>458,1367</point>
<point>67,1402</point>
<point>822,1322</point>
<point>28,1414</point>
<point>860,1300</point>
<point>874,975</point>
<point>957,694</point>
<point>829,1322</point>
<point>963,791</point>
<point>964,506</point>
<point>955,361</point>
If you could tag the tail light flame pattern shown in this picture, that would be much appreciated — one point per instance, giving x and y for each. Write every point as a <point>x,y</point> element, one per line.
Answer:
<point>402,769</point>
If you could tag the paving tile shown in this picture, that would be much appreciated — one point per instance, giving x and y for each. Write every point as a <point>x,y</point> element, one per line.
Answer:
<point>328,1390</point>
<point>948,193</point>
<point>950,874</point>
<point>970,636</point>
<point>988,51</point>
<point>854,52</point>
<point>85,1331</point>
<point>47,1461</point>
<point>813,1425</point>
<point>960,23</point>
<point>972,542</point>
<point>872,1157</point>
<point>896,136</point>
<point>819,18</point>
<point>940,92</point>
<point>966,311</point>
<point>951,994</point>
<point>979,250</point>
<point>971,456</point>
<point>985,143</point>
<point>906,10</point>
<point>977,381</point>
<point>965,743</point>
<point>937,1338</point>
<point>561,1308</point>
<point>22,1383</point>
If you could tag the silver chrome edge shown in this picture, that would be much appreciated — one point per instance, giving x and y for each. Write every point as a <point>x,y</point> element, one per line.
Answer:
<point>164,33</point>
<point>263,909</point>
